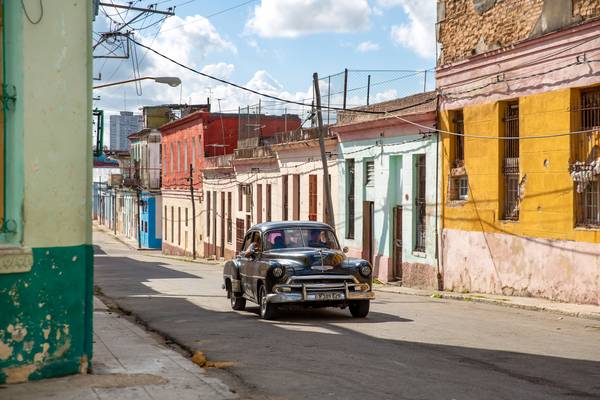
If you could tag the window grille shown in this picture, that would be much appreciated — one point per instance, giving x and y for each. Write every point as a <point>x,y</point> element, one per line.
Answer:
<point>312,197</point>
<point>229,220</point>
<point>350,165</point>
<point>510,163</point>
<point>285,197</point>
<point>420,205</point>
<point>459,141</point>
<point>586,148</point>
<point>370,173</point>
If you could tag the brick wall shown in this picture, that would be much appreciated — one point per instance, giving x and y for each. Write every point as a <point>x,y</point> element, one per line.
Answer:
<point>469,27</point>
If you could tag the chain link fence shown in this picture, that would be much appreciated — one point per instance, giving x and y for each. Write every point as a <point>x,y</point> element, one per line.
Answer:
<point>344,90</point>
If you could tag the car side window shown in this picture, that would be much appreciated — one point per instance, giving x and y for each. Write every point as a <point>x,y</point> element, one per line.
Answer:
<point>257,242</point>
<point>247,241</point>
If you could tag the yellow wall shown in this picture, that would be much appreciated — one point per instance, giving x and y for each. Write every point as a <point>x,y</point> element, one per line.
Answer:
<point>547,209</point>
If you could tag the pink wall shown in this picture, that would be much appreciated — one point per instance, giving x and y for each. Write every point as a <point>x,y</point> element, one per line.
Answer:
<point>546,63</point>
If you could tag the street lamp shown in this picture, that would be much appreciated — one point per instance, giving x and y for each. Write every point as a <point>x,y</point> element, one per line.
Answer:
<point>168,80</point>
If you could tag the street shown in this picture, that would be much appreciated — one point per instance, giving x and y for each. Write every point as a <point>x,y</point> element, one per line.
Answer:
<point>409,347</point>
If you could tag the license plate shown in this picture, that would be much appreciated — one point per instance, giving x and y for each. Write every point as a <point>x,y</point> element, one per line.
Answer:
<point>328,296</point>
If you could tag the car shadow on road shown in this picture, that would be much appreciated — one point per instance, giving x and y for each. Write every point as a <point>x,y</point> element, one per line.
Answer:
<point>330,314</point>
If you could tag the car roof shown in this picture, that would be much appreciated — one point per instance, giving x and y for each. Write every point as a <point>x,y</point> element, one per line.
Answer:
<point>267,226</point>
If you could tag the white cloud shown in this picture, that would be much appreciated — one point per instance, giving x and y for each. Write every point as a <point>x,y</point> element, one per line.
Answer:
<point>364,47</point>
<point>220,70</point>
<point>293,18</point>
<point>419,33</point>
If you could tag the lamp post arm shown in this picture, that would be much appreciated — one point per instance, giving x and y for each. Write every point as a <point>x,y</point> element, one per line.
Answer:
<point>122,82</point>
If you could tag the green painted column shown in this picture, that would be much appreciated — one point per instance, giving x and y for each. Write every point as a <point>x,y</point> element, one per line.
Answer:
<point>46,264</point>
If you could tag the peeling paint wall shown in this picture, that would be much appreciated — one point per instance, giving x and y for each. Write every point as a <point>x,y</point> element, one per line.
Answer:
<point>521,266</point>
<point>470,27</point>
<point>46,312</point>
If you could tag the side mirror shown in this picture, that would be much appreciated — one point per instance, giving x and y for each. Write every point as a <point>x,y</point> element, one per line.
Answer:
<point>345,249</point>
<point>250,251</point>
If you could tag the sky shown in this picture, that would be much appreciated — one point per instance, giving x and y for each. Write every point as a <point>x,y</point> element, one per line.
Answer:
<point>273,46</point>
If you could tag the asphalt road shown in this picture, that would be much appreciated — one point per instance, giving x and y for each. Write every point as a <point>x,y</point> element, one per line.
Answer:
<point>409,347</point>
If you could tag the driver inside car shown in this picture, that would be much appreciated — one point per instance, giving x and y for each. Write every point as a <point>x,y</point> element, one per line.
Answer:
<point>318,239</point>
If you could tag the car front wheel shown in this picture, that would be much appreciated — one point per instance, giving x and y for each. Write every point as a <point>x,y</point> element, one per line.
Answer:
<point>359,308</point>
<point>238,303</point>
<point>267,310</point>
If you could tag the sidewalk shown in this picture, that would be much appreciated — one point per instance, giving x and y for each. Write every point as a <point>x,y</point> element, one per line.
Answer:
<point>527,303</point>
<point>133,245</point>
<point>127,364</point>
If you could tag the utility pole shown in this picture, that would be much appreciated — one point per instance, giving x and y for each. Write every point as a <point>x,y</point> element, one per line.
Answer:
<point>191,179</point>
<point>326,179</point>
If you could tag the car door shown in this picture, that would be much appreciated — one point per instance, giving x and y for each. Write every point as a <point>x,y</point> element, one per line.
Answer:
<point>253,266</point>
<point>243,262</point>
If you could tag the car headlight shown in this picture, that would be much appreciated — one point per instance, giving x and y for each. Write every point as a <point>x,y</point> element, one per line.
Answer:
<point>365,270</point>
<point>278,271</point>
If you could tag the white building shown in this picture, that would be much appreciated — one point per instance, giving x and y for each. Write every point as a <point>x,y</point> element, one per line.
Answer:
<point>121,126</point>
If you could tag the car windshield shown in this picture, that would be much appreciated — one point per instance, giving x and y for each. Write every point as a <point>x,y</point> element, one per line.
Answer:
<point>290,238</point>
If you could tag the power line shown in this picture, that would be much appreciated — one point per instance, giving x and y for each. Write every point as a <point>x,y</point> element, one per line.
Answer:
<point>211,15</point>
<point>527,63</point>
<point>256,92</point>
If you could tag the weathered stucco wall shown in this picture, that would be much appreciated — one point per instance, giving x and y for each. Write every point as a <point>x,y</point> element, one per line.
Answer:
<point>521,266</point>
<point>532,252</point>
<point>46,312</point>
<point>470,27</point>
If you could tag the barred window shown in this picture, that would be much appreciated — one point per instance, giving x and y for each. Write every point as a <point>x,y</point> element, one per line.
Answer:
<point>420,205</point>
<point>350,198</point>
<point>510,162</point>
<point>370,173</point>
<point>459,182</point>
<point>584,151</point>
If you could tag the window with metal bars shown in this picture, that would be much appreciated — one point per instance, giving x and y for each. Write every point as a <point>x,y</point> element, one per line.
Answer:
<point>312,197</point>
<point>208,206</point>
<point>284,197</point>
<point>229,220</point>
<point>370,173</point>
<point>458,141</point>
<point>420,205</point>
<point>350,165</point>
<point>268,202</point>
<point>510,162</point>
<point>585,149</point>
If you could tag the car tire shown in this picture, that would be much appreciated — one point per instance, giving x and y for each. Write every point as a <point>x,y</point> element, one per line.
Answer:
<point>238,303</point>
<point>359,308</point>
<point>267,310</point>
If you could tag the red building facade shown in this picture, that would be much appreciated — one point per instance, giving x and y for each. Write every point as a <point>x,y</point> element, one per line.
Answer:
<point>187,143</point>
<point>189,140</point>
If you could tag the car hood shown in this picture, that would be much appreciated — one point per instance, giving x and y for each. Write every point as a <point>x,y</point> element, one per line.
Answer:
<point>312,260</point>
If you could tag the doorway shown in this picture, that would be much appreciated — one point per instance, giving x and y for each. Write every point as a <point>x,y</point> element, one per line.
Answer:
<point>222,249</point>
<point>367,239</point>
<point>397,244</point>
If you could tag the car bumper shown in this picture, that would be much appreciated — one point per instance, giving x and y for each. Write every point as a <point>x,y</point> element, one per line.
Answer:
<point>317,294</point>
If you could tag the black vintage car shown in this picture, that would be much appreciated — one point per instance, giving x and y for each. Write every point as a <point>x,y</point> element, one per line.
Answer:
<point>300,263</point>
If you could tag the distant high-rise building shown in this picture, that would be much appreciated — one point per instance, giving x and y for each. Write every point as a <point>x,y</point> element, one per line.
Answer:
<point>122,126</point>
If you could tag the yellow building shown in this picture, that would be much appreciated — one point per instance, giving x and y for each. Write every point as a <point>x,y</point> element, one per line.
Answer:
<point>520,111</point>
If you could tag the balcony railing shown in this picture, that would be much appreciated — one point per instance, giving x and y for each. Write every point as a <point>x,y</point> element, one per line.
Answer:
<point>218,162</point>
<point>297,135</point>
<point>254,152</point>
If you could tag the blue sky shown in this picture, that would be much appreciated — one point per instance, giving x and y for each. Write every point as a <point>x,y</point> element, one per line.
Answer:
<point>270,45</point>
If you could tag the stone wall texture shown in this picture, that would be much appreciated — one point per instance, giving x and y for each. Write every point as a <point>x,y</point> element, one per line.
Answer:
<point>470,27</point>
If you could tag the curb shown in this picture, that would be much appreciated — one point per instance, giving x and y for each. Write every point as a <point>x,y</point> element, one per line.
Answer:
<point>476,298</point>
